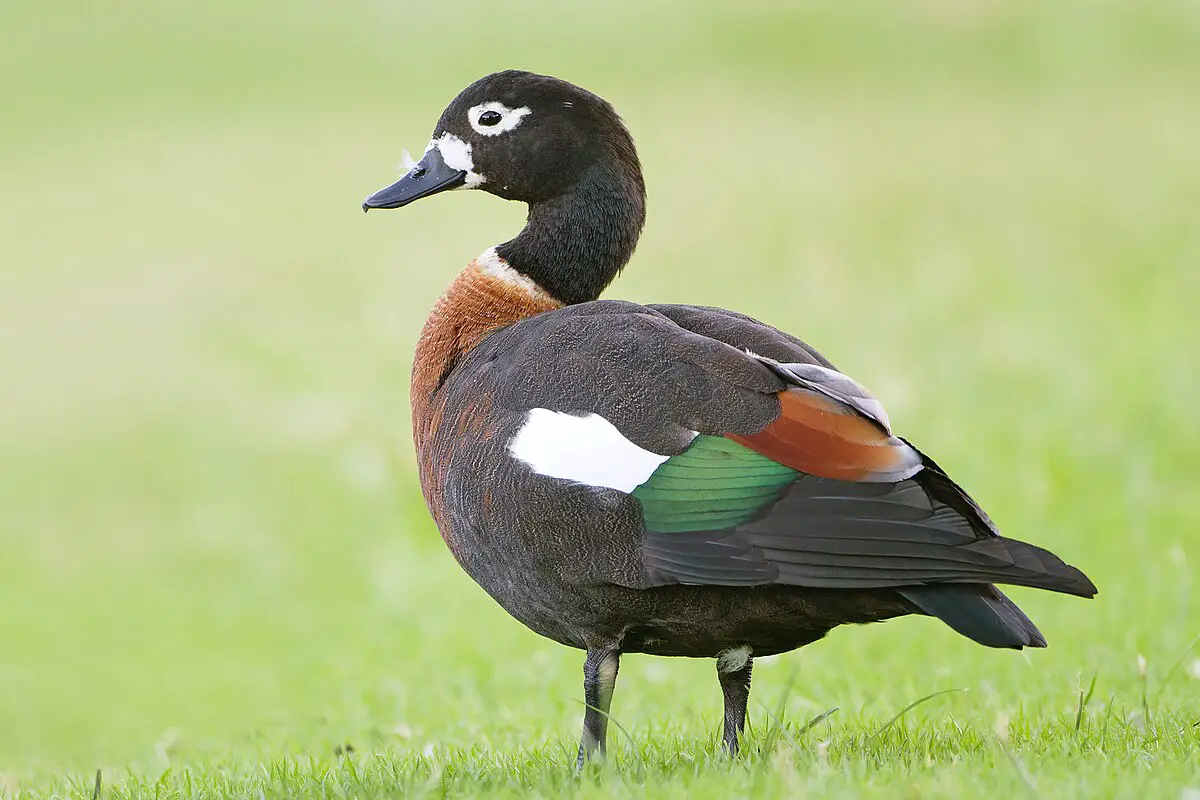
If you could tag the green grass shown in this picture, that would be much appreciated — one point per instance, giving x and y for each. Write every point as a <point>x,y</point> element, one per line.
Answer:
<point>216,571</point>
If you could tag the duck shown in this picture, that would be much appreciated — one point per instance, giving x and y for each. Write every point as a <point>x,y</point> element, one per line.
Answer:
<point>665,479</point>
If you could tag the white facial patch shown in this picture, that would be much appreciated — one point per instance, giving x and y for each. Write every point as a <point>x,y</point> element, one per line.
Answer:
<point>457,155</point>
<point>509,118</point>
<point>587,449</point>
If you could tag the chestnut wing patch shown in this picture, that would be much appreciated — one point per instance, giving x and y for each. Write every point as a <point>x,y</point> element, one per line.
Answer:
<point>831,427</point>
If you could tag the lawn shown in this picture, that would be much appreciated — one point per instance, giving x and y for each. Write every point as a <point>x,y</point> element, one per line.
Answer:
<point>217,574</point>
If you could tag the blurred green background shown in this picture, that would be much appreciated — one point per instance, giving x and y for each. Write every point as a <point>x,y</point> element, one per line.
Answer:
<point>212,545</point>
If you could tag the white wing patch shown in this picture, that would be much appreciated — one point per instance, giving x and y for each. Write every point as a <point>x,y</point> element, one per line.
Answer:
<point>585,449</point>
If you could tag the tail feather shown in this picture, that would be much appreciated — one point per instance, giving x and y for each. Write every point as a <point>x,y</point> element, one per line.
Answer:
<point>978,611</point>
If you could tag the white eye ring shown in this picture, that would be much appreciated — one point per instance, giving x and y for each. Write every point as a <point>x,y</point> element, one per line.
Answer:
<point>509,118</point>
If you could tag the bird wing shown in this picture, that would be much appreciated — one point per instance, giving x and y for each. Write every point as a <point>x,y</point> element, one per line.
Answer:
<point>767,465</point>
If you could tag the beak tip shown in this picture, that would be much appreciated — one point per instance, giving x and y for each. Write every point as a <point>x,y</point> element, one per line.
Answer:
<point>366,208</point>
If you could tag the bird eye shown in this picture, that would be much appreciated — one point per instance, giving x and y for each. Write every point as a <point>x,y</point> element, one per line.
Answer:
<point>495,118</point>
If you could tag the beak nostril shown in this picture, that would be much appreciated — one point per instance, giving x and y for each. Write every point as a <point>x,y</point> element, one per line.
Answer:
<point>422,179</point>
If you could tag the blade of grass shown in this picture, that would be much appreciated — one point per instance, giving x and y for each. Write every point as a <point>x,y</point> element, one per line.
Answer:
<point>812,723</point>
<point>773,734</point>
<point>1083,701</point>
<point>632,746</point>
<point>815,721</point>
<point>910,707</point>
<point>1143,673</point>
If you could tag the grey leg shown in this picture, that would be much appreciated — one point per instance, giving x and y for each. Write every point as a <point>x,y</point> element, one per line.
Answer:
<point>599,678</point>
<point>734,675</point>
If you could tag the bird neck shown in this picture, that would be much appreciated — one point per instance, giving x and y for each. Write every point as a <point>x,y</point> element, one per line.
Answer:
<point>575,243</point>
<point>486,296</point>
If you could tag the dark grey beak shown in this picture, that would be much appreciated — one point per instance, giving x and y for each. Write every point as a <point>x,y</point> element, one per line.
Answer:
<point>430,176</point>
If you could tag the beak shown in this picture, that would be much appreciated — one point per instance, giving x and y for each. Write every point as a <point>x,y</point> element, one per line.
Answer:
<point>428,176</point>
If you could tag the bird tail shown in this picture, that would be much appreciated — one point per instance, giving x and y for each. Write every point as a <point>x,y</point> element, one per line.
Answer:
<point>978,611</point>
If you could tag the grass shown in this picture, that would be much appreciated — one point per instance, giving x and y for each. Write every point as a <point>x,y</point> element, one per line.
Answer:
<point>218,577</point>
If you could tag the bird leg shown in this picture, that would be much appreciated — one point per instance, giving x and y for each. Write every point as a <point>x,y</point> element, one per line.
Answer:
<point>733,671</point>
<point>599,678</point>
